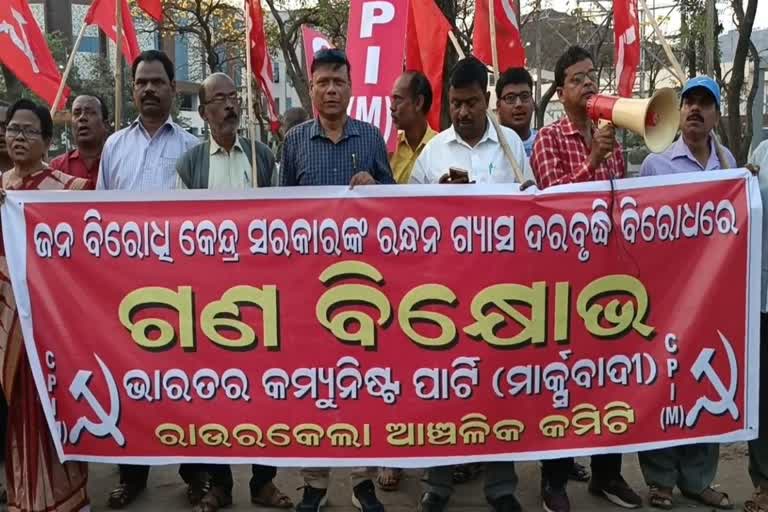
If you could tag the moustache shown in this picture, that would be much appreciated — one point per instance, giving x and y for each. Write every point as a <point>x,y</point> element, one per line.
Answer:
<point>149,97</point>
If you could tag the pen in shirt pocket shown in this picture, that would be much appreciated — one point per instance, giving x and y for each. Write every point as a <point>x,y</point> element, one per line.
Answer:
<point>354,164</point>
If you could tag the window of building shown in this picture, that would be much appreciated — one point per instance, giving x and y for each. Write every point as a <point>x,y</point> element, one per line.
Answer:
<point>277,105</point>
<point>182,57</point>
<point>90,44</point>
<point>276,72</point>
<point>187,102</point>
<point>288,103</point>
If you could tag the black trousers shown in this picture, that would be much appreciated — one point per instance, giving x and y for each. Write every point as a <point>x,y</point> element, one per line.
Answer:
<point>221,475</point>
<point>604,468</point>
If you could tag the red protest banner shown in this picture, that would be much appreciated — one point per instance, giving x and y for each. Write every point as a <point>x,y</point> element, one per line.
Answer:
<point>376,49</point>
<point>391,324</point>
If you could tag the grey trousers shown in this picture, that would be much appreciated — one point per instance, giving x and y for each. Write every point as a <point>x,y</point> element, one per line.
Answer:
<point>758,449</point>
<point>691,468</point>
<point>500,480</point>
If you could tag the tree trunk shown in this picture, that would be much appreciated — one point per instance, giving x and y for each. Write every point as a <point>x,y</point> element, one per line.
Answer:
<point>542,107</point>
<point>740,144</point>
<point>293,66</point>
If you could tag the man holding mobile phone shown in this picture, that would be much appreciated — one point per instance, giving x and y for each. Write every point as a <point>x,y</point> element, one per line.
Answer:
<point>470,150</point>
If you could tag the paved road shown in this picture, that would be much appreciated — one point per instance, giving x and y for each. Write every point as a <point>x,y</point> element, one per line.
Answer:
<point>167,493</point>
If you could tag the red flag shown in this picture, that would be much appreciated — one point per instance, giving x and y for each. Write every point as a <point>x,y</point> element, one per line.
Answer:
<point>426,41</point>
<point>103,12</point>
<point>261,63</point>
<point>509,43</point>
<point>153,8</point>
<point>314,41</point>
<point>25,52</point>
<point>627,55</point>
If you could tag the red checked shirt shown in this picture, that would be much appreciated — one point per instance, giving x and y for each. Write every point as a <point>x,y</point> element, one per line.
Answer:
<point>561,155</point>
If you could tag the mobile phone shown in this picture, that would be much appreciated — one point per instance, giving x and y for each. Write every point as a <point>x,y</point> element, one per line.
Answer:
<point>457,173</point>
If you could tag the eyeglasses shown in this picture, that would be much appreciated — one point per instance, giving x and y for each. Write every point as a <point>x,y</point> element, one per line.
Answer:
<point>580,78</point>
<point>511,98</point>
<point>220,99</point>
<point>15,130</point>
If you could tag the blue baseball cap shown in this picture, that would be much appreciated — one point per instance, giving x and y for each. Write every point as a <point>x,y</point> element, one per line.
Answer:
<point>703,82</point>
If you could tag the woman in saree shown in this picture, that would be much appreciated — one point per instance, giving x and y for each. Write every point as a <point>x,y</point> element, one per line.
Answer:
<point>35,479</point>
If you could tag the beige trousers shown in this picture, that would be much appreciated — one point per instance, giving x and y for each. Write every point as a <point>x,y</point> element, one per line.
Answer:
<point>319,477</point>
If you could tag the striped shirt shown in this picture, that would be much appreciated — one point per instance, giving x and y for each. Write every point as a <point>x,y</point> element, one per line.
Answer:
<point>311,158</point>
<point>132,160</point>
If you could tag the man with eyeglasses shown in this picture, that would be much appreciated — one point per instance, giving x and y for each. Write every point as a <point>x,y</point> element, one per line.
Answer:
<point>90,126</point>
<point>573,150</point>
<point>5,160</point>
<point>515,106</point>
<point>224,162</point>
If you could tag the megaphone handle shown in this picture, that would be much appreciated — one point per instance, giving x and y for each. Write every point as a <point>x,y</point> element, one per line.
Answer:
<point>602,123</point>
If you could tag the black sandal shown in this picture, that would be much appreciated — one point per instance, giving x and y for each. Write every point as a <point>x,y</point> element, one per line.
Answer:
<point>123,495</point>
<point>660,498</point>
<point>711,498</point>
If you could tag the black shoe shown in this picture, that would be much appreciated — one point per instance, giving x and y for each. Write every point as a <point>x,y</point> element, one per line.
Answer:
<point>431,502</point>
<point>617,491</point>
<point>555,500</point>
<point>506,503</point>
<point>364,497</point>
<point>312,500</point>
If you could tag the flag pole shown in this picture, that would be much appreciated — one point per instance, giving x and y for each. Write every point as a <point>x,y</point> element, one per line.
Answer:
<point>249,91</point>
<point>118,64</point>
<point>68,69</point>
<point>494,50</point>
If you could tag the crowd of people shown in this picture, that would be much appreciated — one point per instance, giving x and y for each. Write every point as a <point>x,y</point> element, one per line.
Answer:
<point>155,153</point>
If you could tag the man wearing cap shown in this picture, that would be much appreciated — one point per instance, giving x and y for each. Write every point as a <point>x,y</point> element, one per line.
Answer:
<point>691,468</point>
<point>696,149</point>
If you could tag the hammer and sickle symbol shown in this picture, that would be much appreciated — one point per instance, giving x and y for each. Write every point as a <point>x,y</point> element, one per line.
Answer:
<point>702,367</point>
<point>107,424</point>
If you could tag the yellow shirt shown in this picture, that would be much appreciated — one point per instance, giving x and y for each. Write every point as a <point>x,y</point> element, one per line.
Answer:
<point>404,157</point>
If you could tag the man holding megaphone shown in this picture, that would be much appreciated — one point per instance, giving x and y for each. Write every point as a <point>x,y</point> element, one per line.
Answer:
<point>574,150</point>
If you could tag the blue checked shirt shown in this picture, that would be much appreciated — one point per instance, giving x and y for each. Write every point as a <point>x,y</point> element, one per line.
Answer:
<point>132,160</point>
<point>311,158</point>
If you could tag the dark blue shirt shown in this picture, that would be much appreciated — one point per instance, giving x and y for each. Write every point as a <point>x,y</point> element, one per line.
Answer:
<point>311,158</point>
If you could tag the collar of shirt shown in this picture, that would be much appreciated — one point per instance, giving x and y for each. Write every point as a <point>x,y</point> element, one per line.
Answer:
<point>215,148</point>
<point>350,129</point>
<point>139,125</point>
<point>490,134</point>
<point>569,129</point>
<point>428,135</point>
<point>681,150</point>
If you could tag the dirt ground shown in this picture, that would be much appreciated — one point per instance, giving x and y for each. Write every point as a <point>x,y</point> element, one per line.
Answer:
<point>167,493</point>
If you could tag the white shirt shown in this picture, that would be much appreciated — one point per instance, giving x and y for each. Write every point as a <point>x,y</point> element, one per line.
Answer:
<point>485,162</point>
<point>132,160</point>
<point>760,157</point>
